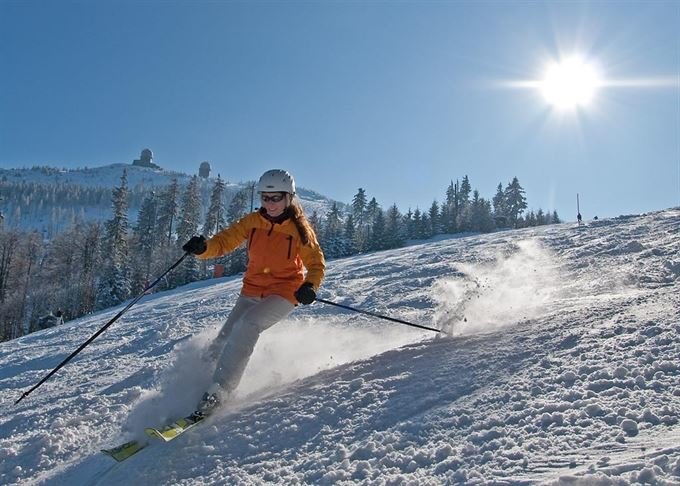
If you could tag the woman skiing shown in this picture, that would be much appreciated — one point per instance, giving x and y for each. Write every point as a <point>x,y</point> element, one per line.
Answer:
<point>280,241</point>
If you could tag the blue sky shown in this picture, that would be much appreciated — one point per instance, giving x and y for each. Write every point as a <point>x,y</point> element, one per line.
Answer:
<point>399,98</point>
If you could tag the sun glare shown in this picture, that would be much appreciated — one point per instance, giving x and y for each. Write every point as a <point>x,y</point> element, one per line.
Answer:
<point>570,83</point>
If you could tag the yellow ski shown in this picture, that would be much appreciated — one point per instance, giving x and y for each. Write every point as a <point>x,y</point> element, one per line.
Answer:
<point>126,450</point>
<point>166,434</point>
<point>175,429</point>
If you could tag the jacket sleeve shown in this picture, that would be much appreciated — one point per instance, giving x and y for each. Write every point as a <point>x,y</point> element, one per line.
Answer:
<point>228,239</point>
<point>315,263</point>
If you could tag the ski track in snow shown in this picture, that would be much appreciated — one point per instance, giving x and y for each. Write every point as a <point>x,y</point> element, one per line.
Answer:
<point>561,366</point>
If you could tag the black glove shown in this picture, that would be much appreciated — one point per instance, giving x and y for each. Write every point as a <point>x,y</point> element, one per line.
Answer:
<point>305,294</point>
<point>195,245</point>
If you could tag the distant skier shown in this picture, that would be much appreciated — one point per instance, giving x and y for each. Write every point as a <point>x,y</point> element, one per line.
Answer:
<point>47,321</point>
<point>579,218</point>
<point>280,242</point>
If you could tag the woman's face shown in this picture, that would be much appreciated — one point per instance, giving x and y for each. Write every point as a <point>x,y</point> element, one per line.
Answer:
<point>274,203</point>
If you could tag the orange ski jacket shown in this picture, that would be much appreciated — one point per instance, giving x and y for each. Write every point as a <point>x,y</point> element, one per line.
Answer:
<point>276,256</point>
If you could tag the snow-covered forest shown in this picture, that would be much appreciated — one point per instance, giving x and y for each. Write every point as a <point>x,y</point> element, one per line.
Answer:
<point>79,264</point>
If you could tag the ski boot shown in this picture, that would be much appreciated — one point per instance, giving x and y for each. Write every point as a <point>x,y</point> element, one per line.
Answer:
<point>211,400</point>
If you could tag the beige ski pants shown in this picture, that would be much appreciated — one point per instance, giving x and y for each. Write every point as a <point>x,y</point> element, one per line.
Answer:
<point>237,339</point>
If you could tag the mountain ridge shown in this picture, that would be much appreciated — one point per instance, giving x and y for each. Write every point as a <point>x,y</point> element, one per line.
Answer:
<point>65,196</point>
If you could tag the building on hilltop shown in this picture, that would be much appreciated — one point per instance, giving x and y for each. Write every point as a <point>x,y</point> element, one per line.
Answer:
<point>204,170</point>
<point>146,160</point>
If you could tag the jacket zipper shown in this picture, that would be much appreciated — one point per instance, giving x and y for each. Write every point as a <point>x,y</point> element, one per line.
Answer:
<point>290,244</point>
<point>250,241</point>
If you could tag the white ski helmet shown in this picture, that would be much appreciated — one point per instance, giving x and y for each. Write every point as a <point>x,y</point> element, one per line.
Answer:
<point>276,180</point>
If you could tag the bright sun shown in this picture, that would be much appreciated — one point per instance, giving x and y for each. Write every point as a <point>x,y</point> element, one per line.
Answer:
<point>570,83</point>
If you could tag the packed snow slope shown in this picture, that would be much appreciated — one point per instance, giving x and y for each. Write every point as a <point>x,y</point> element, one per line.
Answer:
<point>562,366</point>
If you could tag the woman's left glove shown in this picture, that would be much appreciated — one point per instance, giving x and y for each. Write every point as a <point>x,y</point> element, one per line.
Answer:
<point>305,294</point>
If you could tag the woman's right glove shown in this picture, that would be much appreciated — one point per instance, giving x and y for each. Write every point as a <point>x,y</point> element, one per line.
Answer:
<point>195,245</point>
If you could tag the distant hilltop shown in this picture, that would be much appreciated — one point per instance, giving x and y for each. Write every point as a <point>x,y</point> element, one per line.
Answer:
<point>106,176</point>
<point>50,199</point>
<point>146,160</point>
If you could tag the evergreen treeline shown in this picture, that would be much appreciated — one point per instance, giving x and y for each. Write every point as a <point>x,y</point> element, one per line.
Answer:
<point>368,227</point>
<point>52,206</point>
<point>94,265</point>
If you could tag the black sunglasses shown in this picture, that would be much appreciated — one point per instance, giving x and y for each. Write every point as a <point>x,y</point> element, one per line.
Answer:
<point>275,198</point>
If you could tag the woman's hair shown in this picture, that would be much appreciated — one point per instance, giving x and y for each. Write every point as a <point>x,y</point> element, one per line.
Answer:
<point>307,234</point>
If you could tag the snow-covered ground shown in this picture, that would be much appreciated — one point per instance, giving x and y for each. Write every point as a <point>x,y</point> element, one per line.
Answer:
<point>562,367</point>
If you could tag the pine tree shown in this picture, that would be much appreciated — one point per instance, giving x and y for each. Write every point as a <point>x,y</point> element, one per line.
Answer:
<point>359,207</point>
<point>378,237</point>
<point>372,211</point>
<point>409,225</point>
<point>331,236</point>
<point>481,219</point>
<point>463,208</point>
<point>515,200</point>
<point>465,190</point>
<point>419,232</point>
<point>89,257</point>
<point>530,219</point>
<point>190,270</point>
<point>350,236</point>
<point>486,220</point>
<point>555,218</point>
<point>424,226</point>
<point>168,208</point>
<point>114,286</point>
<point>453,201</point>
<point>475,211</point>
<point>499,206</point>
<point>449,207</point>
<point>435,221</point>
<point>145,241</point>
<point>464,221</point>
<point>315,221</point>
<point>360,220</point>
<point>540,217</point>
<point>394,228</point>
<point>190,212</point>
<point>214,220</point>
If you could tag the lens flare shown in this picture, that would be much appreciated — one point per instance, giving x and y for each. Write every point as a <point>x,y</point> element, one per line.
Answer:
<point>570,83</point>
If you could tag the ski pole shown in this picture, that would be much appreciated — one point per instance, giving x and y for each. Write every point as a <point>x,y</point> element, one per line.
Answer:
<point>372,314</point>
<point>96,334</point>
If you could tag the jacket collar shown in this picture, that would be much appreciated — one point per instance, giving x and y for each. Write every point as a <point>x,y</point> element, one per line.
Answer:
<point>285,216</point>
